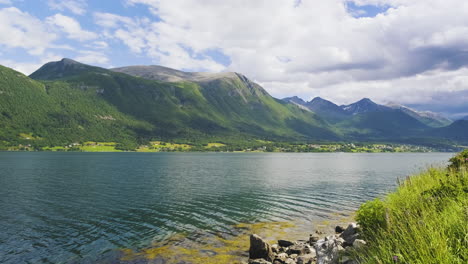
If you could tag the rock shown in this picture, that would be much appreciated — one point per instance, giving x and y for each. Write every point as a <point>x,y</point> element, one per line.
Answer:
<point>328,250</point>
<point>260,249</point>
<point>340,241</point>
<point>339,229</point>
<point>293,256</point>
<point>313,238</point>
<point>282,257</point>
<point>350,240</point>
<point>258,261</point>
<point>285,243</point>
<point>275,248</point>
<point>350,234</point>
<point>306,259</point>
<point>290,261</point>
<point>359,243</point>
<point>299,249</point>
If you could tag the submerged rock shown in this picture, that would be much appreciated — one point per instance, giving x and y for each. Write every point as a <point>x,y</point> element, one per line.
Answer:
<point>259,249</point>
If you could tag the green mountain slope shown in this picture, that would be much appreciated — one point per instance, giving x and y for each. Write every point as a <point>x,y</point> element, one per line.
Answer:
<point>223,105</point>
<point>457,131</point>
<point>243,104</point>
<point>50,113</point>
<point>382,125</point>
<point>427,118</point>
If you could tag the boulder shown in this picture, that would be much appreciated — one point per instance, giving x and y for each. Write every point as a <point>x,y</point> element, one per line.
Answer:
<point>285,243</point>
<point>350,234</point>
<point>260,249</point>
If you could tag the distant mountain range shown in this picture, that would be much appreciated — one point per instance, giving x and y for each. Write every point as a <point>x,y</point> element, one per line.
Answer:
<point>67,101</point>
<point>335,113</point>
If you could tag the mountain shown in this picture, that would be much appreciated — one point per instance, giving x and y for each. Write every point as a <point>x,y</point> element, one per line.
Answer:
<point>364,105</point>
<point>192,105</point>
<point>457,131</point>
<point>295,100</point>
<point>381,126</point>
<point>57,113</point>
<point>464,118</point>
<point>63,69</point>
<point>426,117</point>
<point>327,109</point>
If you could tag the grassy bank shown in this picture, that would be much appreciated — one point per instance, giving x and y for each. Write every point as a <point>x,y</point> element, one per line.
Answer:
<point>424,221</point>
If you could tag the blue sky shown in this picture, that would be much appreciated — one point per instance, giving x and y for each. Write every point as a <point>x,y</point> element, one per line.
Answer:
<point>405,51</point>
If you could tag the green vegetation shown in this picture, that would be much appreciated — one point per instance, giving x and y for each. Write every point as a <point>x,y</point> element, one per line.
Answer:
<point>424,221</point>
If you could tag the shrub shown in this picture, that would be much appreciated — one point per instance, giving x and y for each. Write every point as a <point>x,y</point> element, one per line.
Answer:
<point>371,216</point>
<point>460,160</point>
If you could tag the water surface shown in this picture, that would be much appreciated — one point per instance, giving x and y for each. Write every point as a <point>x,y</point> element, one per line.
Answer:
<point>74,207</point>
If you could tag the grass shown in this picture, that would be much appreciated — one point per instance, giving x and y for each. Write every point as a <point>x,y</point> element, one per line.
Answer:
<point>99,147</point>
<point>215,145</point>
<point>424,221</point>
<point>159,146</point>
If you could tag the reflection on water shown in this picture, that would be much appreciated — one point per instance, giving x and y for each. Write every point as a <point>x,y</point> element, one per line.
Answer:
<point>65,207</point>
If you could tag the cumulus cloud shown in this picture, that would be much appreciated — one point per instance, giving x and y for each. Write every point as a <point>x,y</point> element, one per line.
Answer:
<point>71,27</point>
<point>143,36</point>
<point>77,7</point>
<point>92,57</point>
<point>21,30</point>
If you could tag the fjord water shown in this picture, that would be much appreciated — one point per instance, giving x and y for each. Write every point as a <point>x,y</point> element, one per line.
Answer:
<point>72,207</point>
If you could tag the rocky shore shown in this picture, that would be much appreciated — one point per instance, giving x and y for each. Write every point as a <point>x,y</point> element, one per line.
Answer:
<point>317,249</point>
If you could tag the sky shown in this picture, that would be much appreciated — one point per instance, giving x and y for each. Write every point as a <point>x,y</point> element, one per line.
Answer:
<point>412,52</point>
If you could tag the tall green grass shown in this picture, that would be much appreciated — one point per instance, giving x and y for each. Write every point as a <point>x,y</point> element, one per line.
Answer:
<point>424,221</point>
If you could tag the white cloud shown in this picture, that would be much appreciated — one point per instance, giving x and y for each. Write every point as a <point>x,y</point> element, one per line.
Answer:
<point>21,30</point>
<point>71,27</point>
<point>77,7</point>
<point>98,45</point>
<point>92,57</point>
<point>5,2</point>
